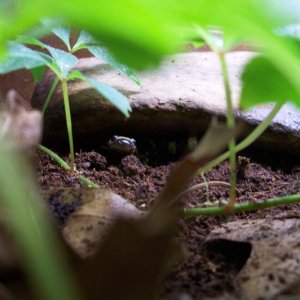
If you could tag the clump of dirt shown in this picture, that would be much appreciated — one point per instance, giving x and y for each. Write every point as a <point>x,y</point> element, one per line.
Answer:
<point>196,275</point>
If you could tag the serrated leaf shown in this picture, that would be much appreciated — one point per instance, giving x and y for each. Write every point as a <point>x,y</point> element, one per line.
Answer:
<point>103,53</point>
<point>19,50</point>
<point>25,39</point>
<point>21,57</point>
<point>109,93</point>
<point>13,64</point>
<point>263,82</point>
<point>83,40</point>
<point>64,60</point>
<point>87,41</point>
<point>64,34</point>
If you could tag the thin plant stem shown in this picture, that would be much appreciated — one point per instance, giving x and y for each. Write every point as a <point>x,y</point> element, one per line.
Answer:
<point>69,121</point>
<point>66,167</point>
<point>230,124</point>
<point>53,87</point>
<point>55,157</point>
<point>241,207</point>
<point>206,187</point>
<point>252,137</point>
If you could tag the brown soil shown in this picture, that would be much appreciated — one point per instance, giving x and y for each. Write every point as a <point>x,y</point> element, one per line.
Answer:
<point>199,274</point>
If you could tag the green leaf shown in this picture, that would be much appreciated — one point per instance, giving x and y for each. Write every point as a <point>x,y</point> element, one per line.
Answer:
<point>64,34</point>
<point>87,41</point>
<point>135,32</point>
<point>109,93</point>
<point>16,18</point>
<point>103,53</point>
<point>263,82</point>
<point>37,73</point>
<point>20,57</point>
<point>25,39</point>
<point>83,40</point>
<point>64,60</point>
<point>13,64</point>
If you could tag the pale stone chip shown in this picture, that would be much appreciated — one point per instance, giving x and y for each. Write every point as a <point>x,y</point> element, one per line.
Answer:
<point>88,226</point>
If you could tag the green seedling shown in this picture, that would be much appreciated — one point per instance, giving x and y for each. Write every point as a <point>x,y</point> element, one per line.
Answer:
<point>86,41</point>
<point>62,63</point>
<point>277,88</point>
<point>218,46</point>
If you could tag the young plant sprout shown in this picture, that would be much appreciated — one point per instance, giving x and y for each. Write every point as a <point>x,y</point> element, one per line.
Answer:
<point>217,45</point>
<point>62,64</point>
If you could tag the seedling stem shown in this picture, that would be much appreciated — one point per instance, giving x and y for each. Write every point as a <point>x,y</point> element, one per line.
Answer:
<point>230,124</point>
<point>69,122</point>
<point>53,87</point>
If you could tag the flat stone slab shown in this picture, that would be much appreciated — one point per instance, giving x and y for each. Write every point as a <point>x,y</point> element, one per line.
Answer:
<point>179,98</point>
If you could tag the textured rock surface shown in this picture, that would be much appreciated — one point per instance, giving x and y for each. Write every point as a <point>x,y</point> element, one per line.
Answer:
<point>179,98</point>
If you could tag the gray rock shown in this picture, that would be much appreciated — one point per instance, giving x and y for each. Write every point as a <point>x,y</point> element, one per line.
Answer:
<point>179,98</point>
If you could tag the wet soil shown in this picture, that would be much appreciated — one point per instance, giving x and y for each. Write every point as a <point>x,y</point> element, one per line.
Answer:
<point>140,180</point>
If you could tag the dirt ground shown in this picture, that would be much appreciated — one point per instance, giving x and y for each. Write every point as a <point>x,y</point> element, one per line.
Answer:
<point>139,180</point>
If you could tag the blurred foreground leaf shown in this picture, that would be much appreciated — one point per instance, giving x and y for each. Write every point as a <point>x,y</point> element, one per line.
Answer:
<point>30,224</point>
<point>263,82</point>
<point>64,34</point>
<point>86,41</point>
